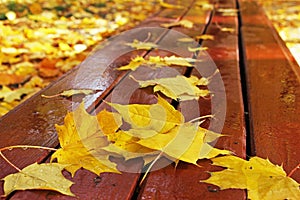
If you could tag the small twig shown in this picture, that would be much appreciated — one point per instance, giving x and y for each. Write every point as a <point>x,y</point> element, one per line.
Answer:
<point>10,163</point>
<point>202,117</point>
<point>293,171</point>
<point>27,146</point>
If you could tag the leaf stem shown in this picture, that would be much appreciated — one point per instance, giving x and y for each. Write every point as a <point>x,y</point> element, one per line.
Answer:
<point>202,117</point>
<point>293,171</point>
<point>150,167</point>
<point>27,146</point>
<point>50,96</point>
<point>10,163</point>
<point>211,76</point>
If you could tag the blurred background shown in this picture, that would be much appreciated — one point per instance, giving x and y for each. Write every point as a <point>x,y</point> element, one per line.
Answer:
<point>42,39</point>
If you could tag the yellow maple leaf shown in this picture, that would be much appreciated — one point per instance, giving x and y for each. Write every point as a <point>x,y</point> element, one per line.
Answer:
<point>81,140</point>
<point>127,143</point>
<point>142,45</point>
<point>262,179</point>
<point>177,88</point>
<point>191,49</point>
<point>71,92</point>
<point>157,61</point>
<point>160,117</point>
<point>184,23</point>
<point>184,142</point>
<point>109,122</point>
<point>186,39</point>
<point>134,64</point>
<point>205,37</point>
<point>171,6</point>
<point>47,176</point>
<point>180,61</point>
<point>9,95</point>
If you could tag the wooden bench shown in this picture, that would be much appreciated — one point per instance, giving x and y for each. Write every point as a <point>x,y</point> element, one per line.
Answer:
<point>262,85</point>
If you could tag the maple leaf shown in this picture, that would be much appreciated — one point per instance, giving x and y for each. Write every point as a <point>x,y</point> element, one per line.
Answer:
<point>185,40</point>
<point>109,122</point>
<point>9,95</point>
<point>205,37</point>
<point>225,29</point>
<point>180,61</point>
<point>7,79</point>
<point>184,142</point>
<point>142,45</point>
<point>158,61</point>
<point>171,6</point>
<point>184,23</point>
<point>79,137</point>
<point>197,49</point>
<point>260,177</point>
<point>160,117</point>
<point>134,64</point>
<point>177,88</point>
<point>47,176</point>
<point>69,93</point>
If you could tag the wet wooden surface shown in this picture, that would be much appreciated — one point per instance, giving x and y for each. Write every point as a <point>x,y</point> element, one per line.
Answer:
<point>273,91</point>
<point>273,112</point>
<point>184,181</point>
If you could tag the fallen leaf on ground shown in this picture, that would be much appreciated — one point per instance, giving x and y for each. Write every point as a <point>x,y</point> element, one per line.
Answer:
<point>160,117</point>
<point>230,30</point>
<point>228,11</point>
<point>9,95</point>
<point>171,6</point>
<point>186,40</point>
<point>142,45</point>
<point>259,176</point>
<point>184,142</point>
<point>79,137</point>
<point>184,23</point>
<point>205,37</point>
<point>157,61</point>
<point>191,49</point>
<point>134,64</point>
<point>47,176</point>
<point>178,88</point>
<point>8,79</point>
<point>69,93</point>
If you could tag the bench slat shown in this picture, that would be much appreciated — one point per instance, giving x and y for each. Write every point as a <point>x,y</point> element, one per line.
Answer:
<point>119,185</point>
<point>273,90</point>
<point>183,182</point>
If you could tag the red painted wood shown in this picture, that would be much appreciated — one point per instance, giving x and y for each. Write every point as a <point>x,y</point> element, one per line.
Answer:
<point>274,91</point>
<point>38,116</point>
<point>183,182</point>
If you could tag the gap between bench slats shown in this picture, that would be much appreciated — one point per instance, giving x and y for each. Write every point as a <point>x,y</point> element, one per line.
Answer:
<point>273,90</point>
